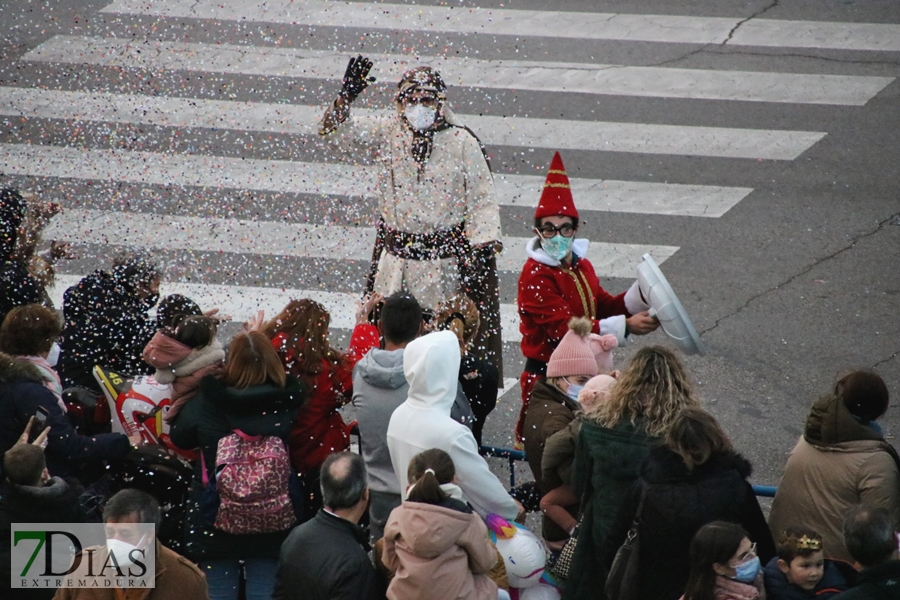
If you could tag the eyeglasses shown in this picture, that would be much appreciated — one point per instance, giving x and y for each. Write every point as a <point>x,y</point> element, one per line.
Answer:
<point>548,231</point>
<point>424,100</point>
<point>748,554</point>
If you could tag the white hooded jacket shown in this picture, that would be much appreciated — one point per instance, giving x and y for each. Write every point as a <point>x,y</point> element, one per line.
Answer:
<point>431,366</point>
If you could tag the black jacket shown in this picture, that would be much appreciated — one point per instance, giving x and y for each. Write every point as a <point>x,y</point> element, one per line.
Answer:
<point>21,392</point>
<point>878,583</point>
<point>212,414</point>
<point>832,583</point>
<point>479,380</point>
<point>677,503</point>
<point>18,287</point>
<point>325,559</point>
<point>106,324</point>
<point>57,502</point>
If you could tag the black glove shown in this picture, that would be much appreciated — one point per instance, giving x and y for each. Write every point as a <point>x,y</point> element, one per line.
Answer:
<point>356,77</point>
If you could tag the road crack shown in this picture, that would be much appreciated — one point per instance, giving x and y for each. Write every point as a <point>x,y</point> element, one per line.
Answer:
<point>792,278</point>
<point>750,18</point>
<point>888,359</point>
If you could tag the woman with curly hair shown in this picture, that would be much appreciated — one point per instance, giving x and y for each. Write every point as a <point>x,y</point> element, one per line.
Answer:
<point>614,440</point>
<point>299,333</point>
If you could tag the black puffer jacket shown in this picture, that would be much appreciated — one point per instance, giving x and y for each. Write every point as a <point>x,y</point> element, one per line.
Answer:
<point>676,505</point>
<point>56,502</point>
<point>215,412</point>
<point>22,391</point>
<point>106,324</point>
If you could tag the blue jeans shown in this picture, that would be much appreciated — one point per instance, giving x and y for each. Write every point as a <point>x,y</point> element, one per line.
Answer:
<point>224,577</point>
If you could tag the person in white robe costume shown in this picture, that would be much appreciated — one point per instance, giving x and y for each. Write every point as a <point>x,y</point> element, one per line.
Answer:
<point>439,221</point>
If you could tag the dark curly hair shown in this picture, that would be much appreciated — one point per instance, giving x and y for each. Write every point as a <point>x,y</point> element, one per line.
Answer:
<point>29,330</point>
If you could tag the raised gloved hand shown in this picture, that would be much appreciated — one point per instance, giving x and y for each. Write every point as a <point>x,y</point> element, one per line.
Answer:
<point>356,77</point>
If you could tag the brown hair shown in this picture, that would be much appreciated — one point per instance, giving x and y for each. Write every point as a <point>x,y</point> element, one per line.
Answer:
<point>29,330</point>
<point>24,464</point>
<point>864,394</point>
<point>304,324</point>
<point>695,436</point>
<point>196,331</point>
<point>427,471</point>
<point>797,541</point>
<point>252,361</point>
<point>714,543</point>
<point>654,386</point>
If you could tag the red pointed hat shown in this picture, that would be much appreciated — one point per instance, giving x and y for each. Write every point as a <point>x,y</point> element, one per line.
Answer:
<point>556,198</point>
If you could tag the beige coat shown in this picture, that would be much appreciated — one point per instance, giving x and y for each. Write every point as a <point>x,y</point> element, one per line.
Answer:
<point>438,553</point>
<point>837,464</point>
<point>456,187</point>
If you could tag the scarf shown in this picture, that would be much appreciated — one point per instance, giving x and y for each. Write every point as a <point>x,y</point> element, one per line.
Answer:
<point>51,378</point>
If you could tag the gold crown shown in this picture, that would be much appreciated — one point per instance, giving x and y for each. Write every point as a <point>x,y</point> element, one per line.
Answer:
<point>804,542</point>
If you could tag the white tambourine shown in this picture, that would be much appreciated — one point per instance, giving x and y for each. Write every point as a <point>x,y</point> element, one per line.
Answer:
<point>665,306</point>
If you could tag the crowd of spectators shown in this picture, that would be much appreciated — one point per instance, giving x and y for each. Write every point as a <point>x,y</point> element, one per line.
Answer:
<point>615,453</point>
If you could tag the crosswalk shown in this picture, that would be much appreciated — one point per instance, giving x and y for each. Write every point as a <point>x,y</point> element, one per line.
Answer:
<point>98,130</point>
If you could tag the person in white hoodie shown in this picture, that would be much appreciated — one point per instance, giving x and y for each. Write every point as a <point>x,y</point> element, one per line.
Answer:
<point>431,366</point>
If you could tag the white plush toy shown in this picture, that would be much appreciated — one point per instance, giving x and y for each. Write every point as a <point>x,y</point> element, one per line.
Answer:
<point>542,591</point>
<point>522,551</point>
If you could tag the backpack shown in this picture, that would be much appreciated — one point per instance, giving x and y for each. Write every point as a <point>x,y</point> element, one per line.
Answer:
<point>252,481</point>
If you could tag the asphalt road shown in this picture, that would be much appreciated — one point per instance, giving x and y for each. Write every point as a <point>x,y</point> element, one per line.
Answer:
<point>791,282</point>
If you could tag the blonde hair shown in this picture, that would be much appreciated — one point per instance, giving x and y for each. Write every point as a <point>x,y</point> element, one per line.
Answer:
<point>252,361</point>
<point>654,386</point>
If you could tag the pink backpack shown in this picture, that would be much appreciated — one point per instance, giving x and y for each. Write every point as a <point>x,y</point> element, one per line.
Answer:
<point>252,475</point>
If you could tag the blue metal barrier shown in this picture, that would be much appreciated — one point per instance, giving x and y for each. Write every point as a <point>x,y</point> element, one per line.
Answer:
<point>510,453</point>
<point>764,491</point>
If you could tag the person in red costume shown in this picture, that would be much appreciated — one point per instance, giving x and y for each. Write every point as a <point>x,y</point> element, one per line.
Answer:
<point>558,283</point>
<point>299,334</point>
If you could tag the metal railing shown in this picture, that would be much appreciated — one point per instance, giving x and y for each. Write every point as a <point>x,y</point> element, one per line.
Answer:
<point>513,455</point>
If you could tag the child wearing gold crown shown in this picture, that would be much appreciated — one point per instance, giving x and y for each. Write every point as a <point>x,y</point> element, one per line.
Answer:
<point>800,571</point>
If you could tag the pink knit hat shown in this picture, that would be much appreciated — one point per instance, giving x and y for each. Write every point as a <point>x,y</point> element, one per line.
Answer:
<point>602,347</point>
<point>574,356</point>
<point>596,391</point>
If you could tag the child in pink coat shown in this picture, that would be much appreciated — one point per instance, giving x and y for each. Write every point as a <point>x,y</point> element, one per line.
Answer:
<point>183,356</point>
<point>437,548</point>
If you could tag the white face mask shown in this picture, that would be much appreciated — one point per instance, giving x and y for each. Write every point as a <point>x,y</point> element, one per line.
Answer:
<point>420,117</point>
<point>123,551</point>
<point>53,356</point>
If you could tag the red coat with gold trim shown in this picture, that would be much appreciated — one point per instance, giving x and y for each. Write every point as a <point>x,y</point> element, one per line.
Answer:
<point>551,293</point>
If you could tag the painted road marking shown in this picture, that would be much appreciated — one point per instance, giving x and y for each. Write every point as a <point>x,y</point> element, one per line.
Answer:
<point>154,168</point>
<point>617,80</point>
<point>532,23</point>
<point>723,142</point>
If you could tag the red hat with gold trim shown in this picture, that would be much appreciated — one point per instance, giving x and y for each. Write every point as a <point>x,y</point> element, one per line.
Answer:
<point>556,198</point>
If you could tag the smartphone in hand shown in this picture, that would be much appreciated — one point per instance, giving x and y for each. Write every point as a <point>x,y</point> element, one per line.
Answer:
<point>40,422</point>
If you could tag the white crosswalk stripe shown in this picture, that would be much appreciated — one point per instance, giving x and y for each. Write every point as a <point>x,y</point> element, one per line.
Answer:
<point>269,236</point>
<point>205,234</point>
<point>503,131</point>
<point>316,178</point>
<point>588,78</point>
<point>563,24</point>
<point>241,302</point>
